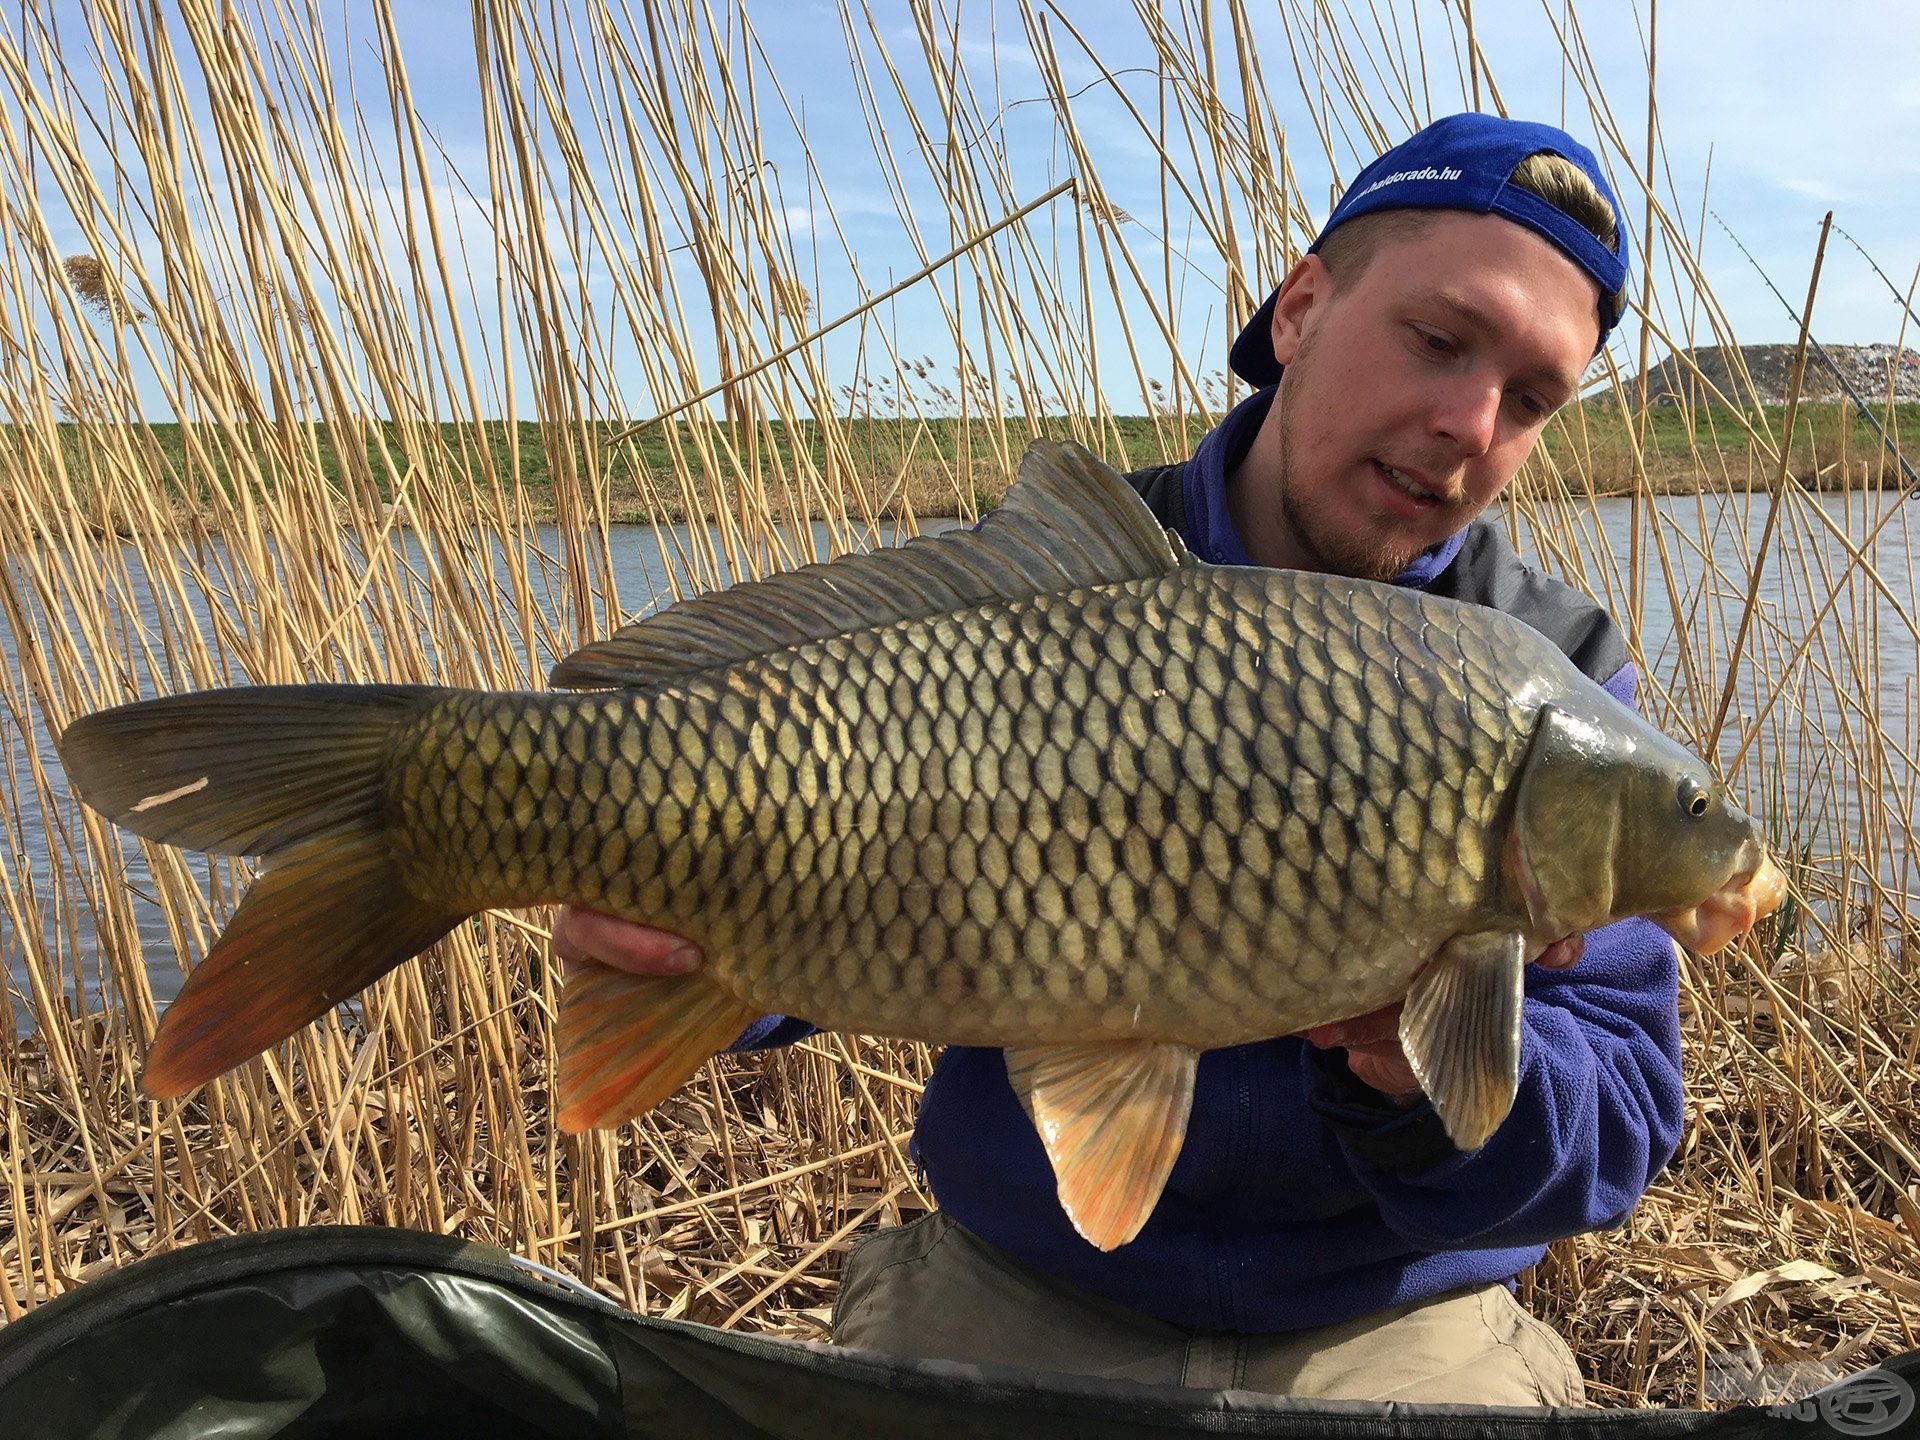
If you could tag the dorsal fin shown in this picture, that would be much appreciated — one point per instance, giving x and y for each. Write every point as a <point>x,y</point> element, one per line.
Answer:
<point>1069,520</point>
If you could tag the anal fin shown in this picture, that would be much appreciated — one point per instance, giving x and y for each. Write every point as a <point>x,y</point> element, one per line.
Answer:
<point>1460,1028</point>
<point>1112,1115</point>
<point>629,1041</point>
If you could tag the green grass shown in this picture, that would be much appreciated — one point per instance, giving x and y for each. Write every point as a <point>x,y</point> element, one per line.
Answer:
<point>877,441</point>
<point>878,448</point>
<point>1594,436</point>
<point>1672,431</point>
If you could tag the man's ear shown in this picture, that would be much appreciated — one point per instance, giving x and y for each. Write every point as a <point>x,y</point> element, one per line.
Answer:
<point>1305,289</point>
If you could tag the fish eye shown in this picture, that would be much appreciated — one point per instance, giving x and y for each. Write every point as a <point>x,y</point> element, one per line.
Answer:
<point>1693,797</point>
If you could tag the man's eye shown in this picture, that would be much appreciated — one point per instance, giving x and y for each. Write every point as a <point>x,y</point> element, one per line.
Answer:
<point>1434,342</point>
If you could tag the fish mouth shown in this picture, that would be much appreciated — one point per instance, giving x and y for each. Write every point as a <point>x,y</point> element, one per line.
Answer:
<point>1729,912</point>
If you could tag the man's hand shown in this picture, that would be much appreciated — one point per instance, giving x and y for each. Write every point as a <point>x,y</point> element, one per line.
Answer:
<point>1372,1042</point>
<point>582,935</point>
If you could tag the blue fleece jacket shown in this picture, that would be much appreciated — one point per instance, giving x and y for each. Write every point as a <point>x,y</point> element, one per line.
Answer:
<point>1301,1197</point>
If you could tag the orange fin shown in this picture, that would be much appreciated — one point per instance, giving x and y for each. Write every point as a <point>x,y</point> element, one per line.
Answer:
<point>1112,1115</point>
<point>296,774</point>
<point>629,1041</point>
<point>325,920</point>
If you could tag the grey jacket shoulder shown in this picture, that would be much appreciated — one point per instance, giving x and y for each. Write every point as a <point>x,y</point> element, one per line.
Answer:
<point>1160,487</point>
<point>1488,572</point>
<point>1485,572</point>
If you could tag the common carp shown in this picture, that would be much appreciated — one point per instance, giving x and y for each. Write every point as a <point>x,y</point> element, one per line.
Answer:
<point>1051,785</point>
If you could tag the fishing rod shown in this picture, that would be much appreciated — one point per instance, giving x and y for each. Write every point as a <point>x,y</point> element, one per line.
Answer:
<point>1904,305</point>
<point>1913,480</point>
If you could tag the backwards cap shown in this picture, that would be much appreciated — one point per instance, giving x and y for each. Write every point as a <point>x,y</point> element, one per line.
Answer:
<point>1465,162</point>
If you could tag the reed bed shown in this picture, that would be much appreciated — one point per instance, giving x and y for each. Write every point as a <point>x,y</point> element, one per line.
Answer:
<point>245,443</point>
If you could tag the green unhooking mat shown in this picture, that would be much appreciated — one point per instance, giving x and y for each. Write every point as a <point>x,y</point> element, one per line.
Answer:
<point>347,1331</point>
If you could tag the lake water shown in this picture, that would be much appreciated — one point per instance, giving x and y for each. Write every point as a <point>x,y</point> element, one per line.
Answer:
<point>1867,635</point>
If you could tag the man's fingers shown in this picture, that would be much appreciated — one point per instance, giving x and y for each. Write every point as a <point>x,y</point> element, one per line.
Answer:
<point>1374,1056</point>
<point>1388,1073</point>
<point>1563,953</point>
<point>1380,1027</point>
<point>580,935</point>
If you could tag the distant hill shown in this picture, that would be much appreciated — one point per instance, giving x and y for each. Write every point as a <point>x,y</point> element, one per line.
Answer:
<point>1771,368</point>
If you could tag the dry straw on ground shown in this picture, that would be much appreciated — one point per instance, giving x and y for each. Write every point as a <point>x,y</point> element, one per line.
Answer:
<point>292,254</point>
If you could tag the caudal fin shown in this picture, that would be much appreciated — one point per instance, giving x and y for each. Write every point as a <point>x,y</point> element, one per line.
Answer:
<point>297,776</point>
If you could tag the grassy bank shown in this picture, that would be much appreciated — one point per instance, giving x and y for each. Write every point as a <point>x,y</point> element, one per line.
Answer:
<point>942,467</point>
<point>1716,447</point>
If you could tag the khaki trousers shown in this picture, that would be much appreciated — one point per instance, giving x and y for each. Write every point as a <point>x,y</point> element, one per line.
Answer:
<point>935,1290</point>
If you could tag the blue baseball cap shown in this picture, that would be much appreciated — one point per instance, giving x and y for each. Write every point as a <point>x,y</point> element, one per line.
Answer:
<point>1465,162</point>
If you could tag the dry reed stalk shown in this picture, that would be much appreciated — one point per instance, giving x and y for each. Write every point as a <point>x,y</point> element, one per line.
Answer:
<point>336,310</point>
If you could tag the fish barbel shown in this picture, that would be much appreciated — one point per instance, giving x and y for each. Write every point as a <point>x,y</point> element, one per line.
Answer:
<point>1052,785</point>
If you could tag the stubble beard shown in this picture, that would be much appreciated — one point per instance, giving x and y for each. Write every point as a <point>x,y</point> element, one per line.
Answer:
<point>1331,549</point>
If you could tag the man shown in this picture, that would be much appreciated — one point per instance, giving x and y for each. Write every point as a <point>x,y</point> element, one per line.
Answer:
<point>1319,1236</point>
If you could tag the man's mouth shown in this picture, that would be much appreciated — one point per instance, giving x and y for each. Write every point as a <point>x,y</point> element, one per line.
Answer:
<point>1406,484</point>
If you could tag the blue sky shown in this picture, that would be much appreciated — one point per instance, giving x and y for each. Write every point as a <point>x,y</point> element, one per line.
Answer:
<point>1802,108</point>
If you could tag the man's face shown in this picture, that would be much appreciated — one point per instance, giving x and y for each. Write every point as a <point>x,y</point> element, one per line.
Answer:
<point>1412,393</point>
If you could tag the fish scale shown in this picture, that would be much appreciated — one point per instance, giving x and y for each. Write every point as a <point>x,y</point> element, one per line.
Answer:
<point>1051,785</point>
<point>1071,839</point>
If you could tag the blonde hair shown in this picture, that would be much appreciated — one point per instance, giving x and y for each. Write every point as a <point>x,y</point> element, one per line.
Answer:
<point>1565,186</point>
<point>1562,184</point>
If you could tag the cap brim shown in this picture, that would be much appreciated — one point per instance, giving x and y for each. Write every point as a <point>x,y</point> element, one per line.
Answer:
<point>1252,354</point>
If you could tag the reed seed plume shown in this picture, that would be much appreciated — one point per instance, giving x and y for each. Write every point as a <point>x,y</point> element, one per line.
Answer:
<point>322,390</point>
<point>98,291</point>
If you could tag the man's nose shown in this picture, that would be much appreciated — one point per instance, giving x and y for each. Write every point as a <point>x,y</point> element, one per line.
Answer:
<point>1468,414</point>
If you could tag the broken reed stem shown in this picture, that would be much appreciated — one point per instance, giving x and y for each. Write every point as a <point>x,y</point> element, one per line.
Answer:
<point>1780,481</point>
<point>864,308</point>
<point>295,268</point>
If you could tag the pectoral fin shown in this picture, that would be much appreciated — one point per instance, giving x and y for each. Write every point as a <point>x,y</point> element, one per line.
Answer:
<point>1112,1115</point>
<point>627,1041</point>
<point>1460,1028</point>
